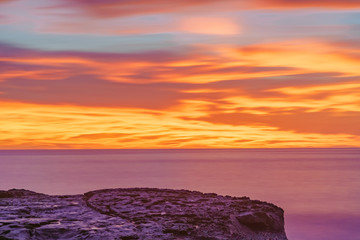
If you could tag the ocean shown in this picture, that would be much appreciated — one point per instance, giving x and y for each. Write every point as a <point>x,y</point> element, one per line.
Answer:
<point>319,189</point>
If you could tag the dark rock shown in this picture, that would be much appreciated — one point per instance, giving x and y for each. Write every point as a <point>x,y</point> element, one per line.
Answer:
<point>137,213</point>
<point>15,193</point>
<point>262,221</point>
<point>4,238</point>
<point>129,237</point>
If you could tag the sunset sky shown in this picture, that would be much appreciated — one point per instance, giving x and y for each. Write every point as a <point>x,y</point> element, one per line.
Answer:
<point>179,74</point>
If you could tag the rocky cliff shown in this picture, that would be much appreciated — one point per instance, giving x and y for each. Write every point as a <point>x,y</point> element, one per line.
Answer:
<point>137,213</point>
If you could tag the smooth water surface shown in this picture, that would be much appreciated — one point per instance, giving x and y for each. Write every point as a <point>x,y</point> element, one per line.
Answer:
<point>319,189</point>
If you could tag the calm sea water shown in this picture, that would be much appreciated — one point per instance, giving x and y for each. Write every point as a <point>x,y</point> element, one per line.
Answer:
<point>319,189</point>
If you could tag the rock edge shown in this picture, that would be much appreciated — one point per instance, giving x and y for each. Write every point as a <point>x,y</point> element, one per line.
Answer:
<point>137,213</point>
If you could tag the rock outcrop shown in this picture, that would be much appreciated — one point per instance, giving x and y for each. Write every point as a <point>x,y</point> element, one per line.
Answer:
<point>137,213</point>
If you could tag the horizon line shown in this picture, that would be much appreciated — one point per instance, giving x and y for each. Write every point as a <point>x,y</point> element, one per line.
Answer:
<point>119,149</point>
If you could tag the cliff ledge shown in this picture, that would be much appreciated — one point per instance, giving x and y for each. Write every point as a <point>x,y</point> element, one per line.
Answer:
<point>137,213</point>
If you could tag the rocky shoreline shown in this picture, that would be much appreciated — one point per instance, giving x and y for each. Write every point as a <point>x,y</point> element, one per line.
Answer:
<point>137,213</point>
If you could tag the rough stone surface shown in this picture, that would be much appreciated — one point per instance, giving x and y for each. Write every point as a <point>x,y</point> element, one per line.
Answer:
<point>137,213</point>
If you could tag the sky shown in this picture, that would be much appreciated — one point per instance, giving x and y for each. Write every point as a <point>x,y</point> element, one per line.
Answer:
<point>179,74</point>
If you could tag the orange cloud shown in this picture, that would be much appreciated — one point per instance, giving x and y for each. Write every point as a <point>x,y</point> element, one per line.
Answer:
<point>39,74</point>
<point>46,126</point>
<point>340,102</point>
<point>307,4</point>
<point>211,64</point>
<point>320,88</point>
<point>193,68</point>
<point>300,121</point>
<point>109,17</point>
<point>271,95</point>
<point>214,26</point>
<point>111,8</point>
<point>310,56</point>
